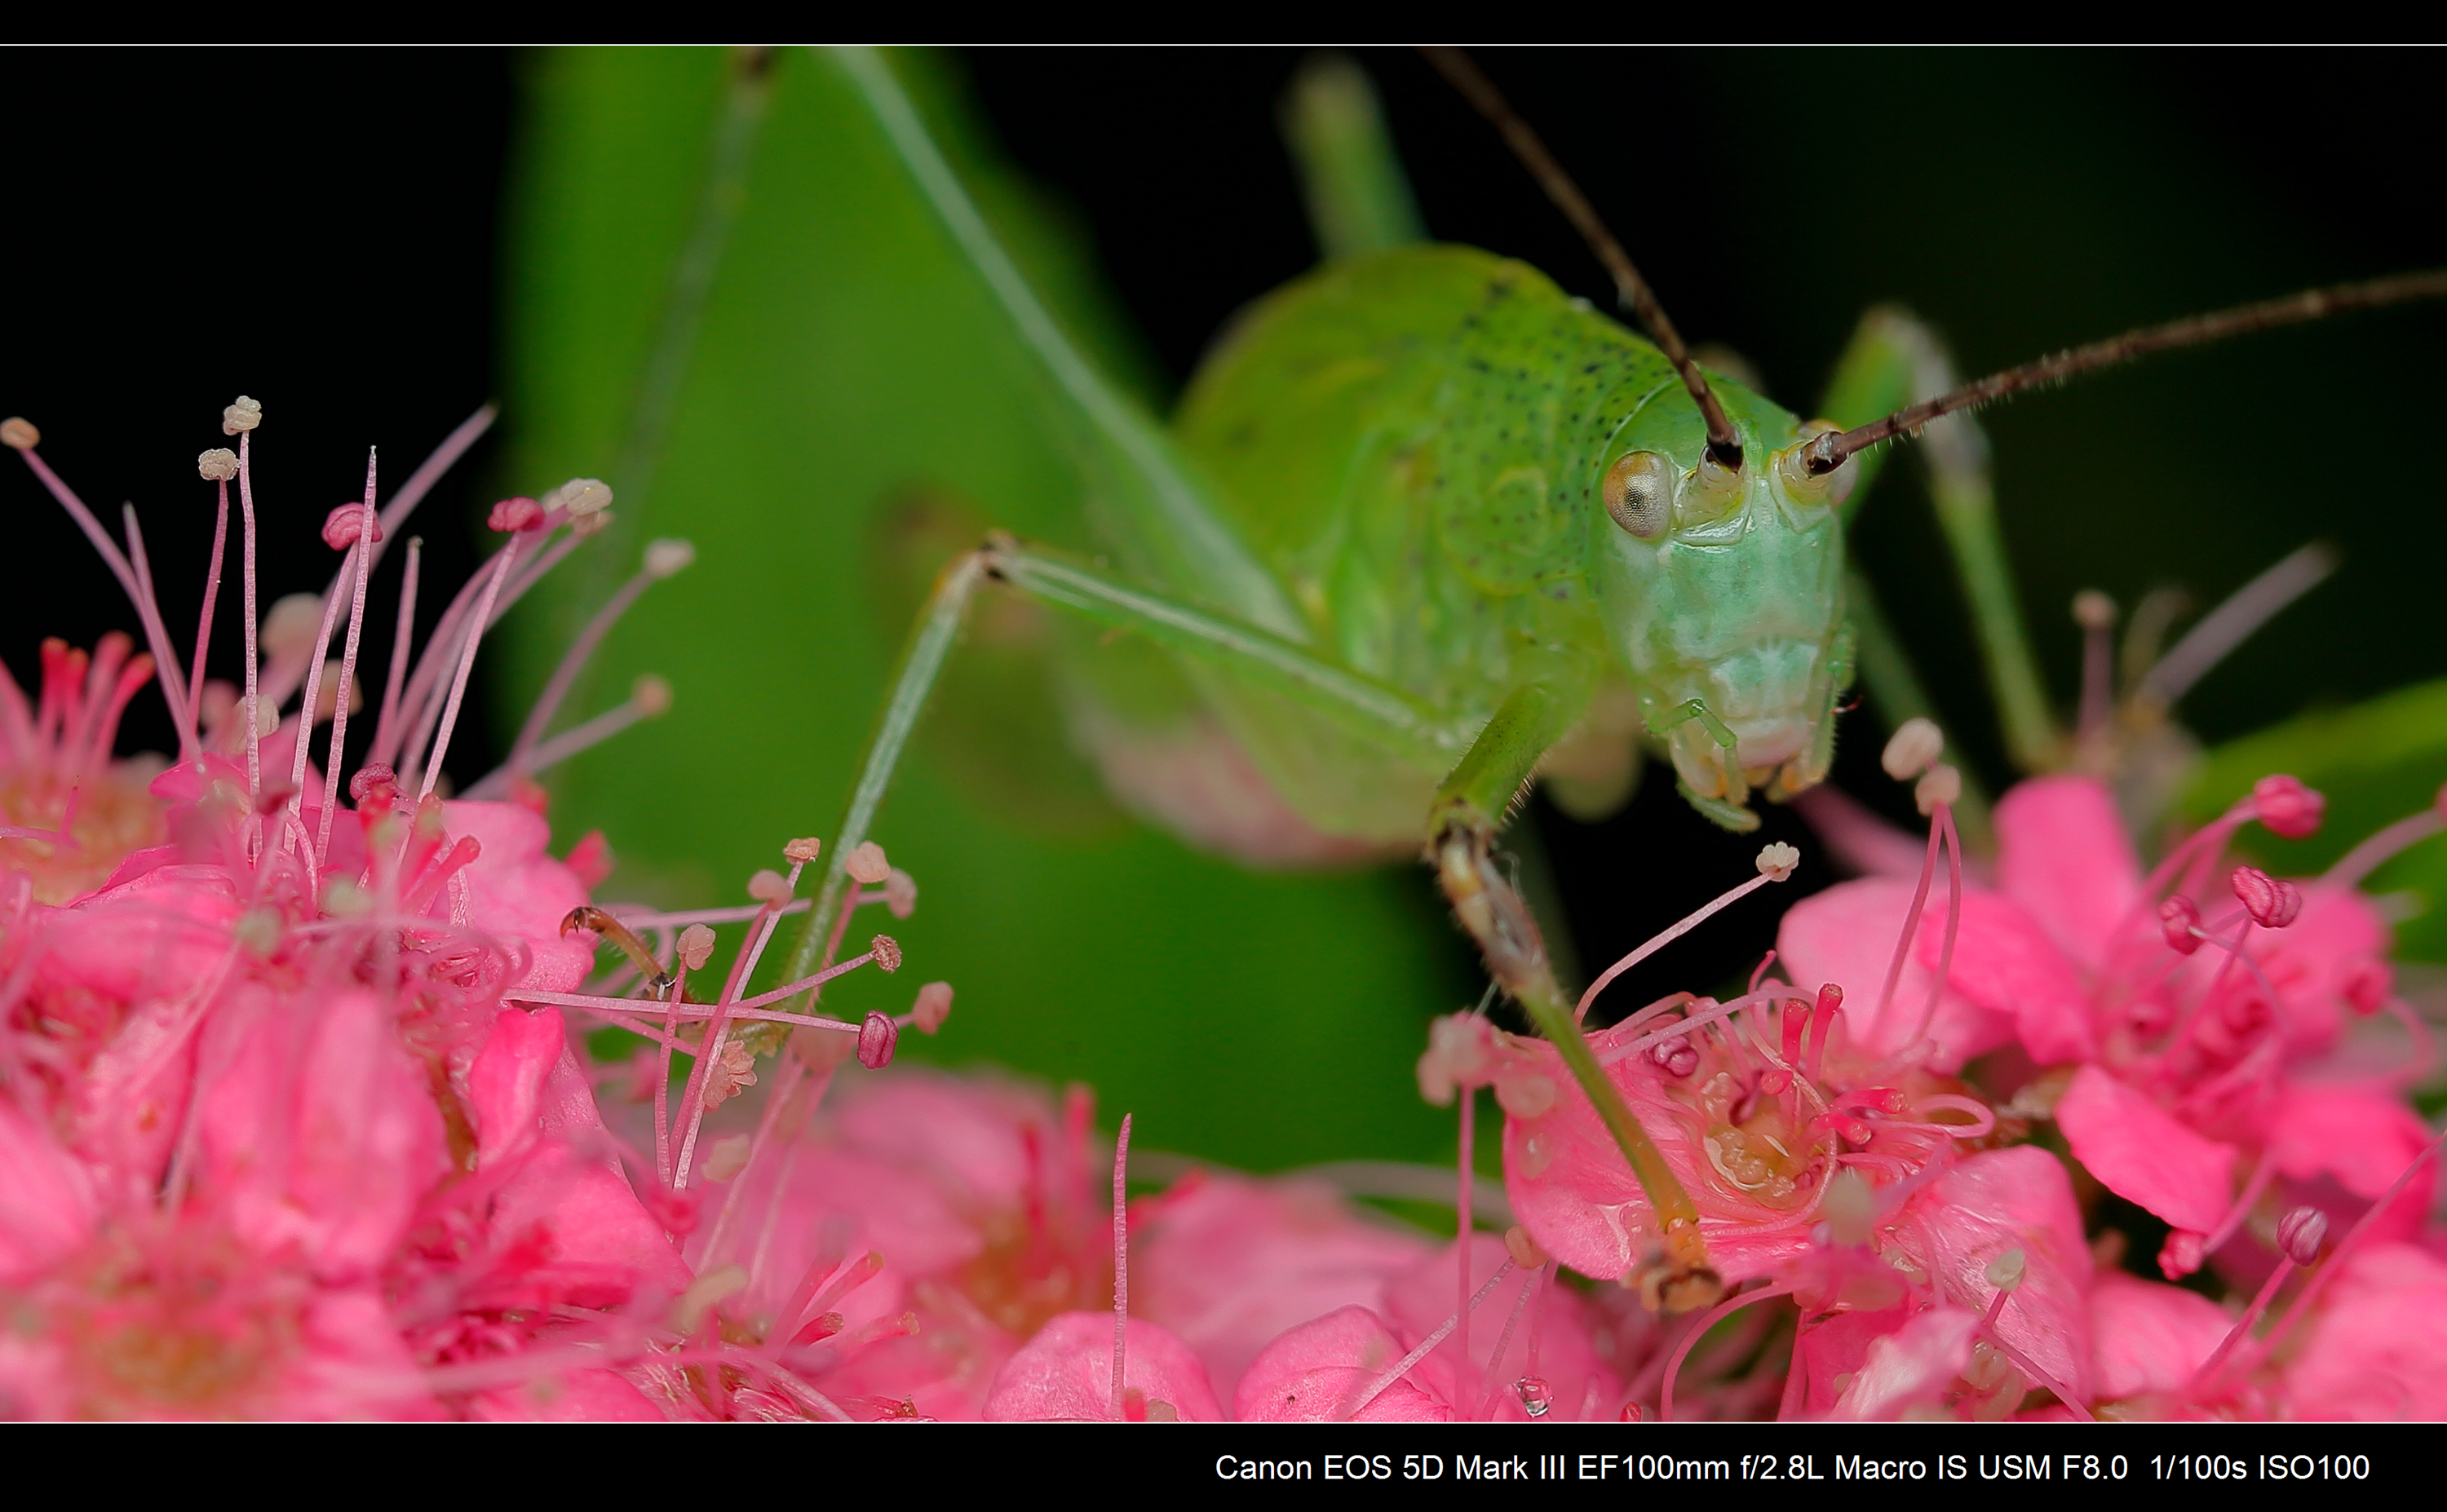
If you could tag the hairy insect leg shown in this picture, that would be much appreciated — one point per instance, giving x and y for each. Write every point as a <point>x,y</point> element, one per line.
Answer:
<point>1461,839</point>
<point>1892,359</point>
<point>1357,197</point>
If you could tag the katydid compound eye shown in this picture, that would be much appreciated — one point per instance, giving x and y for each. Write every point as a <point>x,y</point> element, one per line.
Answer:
<point>1638,493</point>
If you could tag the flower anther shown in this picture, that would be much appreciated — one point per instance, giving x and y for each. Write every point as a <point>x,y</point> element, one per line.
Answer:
<point>865,863</point>
<point>665,558</point>
<point>2300,1233</point>
<point>876,1039</point>
<point>513,514</point>
<point>1912,749</point>
<point>2287,808</point>
<point>344,524</point>
<point>218,465</point>
<point>934,1005</point>
<point>242,417</point>
<point>1940,783</point>
<point>2271,904</point>
<point>2179,920</point>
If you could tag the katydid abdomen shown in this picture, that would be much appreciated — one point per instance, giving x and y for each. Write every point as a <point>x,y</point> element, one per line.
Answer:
<point>1415,446</point>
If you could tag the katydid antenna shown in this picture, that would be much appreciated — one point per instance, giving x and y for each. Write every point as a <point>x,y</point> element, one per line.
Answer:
<point>1724,446</point>
<point>1827,451</point>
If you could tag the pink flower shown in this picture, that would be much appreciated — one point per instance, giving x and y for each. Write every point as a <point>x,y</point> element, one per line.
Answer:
<point>1231,1263</point>
<point>1066,1372</point>
<point>1533,1352</point>
<point>2192,1066</point>
<point>2377,1350</point>
<point>2151,1338</point>
<point>278,1148</point>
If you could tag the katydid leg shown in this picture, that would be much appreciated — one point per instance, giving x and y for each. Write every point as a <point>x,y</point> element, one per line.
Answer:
<point>1366,708</point>
<point>921,663</point>
<point>1461,838</point>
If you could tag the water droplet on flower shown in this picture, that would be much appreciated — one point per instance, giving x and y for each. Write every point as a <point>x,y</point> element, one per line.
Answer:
<point>1537,1398</point>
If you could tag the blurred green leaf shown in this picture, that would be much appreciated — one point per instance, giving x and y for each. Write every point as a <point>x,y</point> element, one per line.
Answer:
<point>2377,762</point>
<point>846,360</point>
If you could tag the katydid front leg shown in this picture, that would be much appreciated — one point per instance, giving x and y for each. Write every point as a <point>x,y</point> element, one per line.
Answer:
<point>1461,838</point>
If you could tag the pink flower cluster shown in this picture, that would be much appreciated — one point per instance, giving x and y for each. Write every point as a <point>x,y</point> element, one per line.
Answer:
<point>1882,1136</point>
<point>296,1127</point>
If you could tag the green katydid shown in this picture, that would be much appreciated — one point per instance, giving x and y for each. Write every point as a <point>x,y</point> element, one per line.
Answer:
<point>1423,520</point>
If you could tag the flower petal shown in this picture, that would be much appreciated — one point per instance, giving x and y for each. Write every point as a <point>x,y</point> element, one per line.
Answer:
<point>2143,1154</point>
<point>2063,854</point>
<point>1066,1374</point>
<point>1313,1372</point>
<point>2151,1336</point>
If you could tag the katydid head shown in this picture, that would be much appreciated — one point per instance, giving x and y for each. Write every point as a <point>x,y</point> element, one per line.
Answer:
<point>1721,593</point>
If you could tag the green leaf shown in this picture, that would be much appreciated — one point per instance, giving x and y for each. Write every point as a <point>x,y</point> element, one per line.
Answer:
<point>2377,762</point>
<point>847,359</point>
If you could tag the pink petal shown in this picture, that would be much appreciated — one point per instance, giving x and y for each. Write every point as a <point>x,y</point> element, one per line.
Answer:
<point>47,1202</point>
<point>1909,1368</point>
<point>1233,1265</point>
<point>604,1245</point>
<point>2003,963</point>
<point>368,1142</point>
<point>2363,1136</point>
<point>2004,1200</point>
<point>2143,1155</point>
<point>2151,1336</point>
<point>1575,1195</point>
<point>571,1396</point>
<point>2311,961</point>
<point>1419,1300</point>
<point>1847,935</point>
<point>2378,1349</point>
<point>518,891</point>
<point>1066,1374</point>
<point>2063,854</point>
<point>1314,1373</point>
<point>505,1083</point>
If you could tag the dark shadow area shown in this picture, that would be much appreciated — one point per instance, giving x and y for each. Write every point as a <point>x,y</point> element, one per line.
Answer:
<point>312,228</point>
